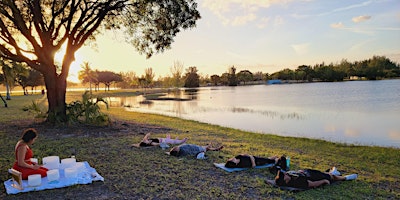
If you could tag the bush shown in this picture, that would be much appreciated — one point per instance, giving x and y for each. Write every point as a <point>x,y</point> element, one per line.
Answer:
<point>86,111</point>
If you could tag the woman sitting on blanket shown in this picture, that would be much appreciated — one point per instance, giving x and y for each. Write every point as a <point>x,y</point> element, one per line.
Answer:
<point>147,141</point>
<point>192,150</point>
<point>310,178</point>
<point>249,161</point>
<point>23,155</point>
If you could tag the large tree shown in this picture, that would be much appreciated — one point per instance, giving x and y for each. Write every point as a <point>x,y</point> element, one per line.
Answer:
<point>107,78</point>
<point>192,79</point>
<point>33,31</point>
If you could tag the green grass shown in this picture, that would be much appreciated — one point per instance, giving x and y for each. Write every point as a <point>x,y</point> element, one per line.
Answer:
<point>14,110</point>
<point>150,174</point>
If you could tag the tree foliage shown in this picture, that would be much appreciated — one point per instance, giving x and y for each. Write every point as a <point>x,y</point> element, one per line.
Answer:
<point>378,67</point>
<point>232,79</point>
<point>177,71</point>
<point>192,79</point>
<point>33,31</point>
<point>245,76</point>
<point>107,78</point>
<point>32,79</point>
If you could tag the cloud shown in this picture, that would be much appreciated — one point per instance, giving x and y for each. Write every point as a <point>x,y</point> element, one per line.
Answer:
<point>335,10</point>
<point>238,12</point>
<point>357,47</point>
<point>241,20</point>
<point>279,20</point>
<point>301,49</point>
<point>361,18</point>
<point>263,22</point>
<point>337,25</point>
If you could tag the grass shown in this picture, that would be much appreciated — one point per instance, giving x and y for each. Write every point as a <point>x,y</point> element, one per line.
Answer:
<point>150,174</point>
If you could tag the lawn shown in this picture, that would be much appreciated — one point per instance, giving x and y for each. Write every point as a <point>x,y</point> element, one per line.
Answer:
<point>132,173</point>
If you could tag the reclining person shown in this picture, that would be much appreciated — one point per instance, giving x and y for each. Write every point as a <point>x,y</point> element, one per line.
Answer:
<point>192,150</point>
<point>249,161</point>
<point>147,141</point>
<point>310,178</point>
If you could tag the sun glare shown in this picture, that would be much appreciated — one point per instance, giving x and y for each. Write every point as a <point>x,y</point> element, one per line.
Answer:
<point>75,66</point>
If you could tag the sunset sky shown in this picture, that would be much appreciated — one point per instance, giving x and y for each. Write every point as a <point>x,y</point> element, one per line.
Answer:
<point>263,35</point>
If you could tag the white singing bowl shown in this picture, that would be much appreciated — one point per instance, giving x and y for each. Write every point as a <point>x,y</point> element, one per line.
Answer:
<point>70,172</point>
<point>68,162</point>
<point>51,162</point>
<point>53,175</point>
<point>34,180</point>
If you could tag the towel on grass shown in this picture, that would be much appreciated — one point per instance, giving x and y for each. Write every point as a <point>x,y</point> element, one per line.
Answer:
<point>222,166</point>
<point>85,176</point>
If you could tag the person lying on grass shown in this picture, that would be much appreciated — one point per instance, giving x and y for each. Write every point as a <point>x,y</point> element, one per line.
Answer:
<point>147,141</point>
<point>310,178</point>
<point>192,150</point>
<point>250,161</point>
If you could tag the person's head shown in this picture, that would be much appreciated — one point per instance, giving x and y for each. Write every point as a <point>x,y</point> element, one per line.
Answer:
<point>174,151</point>
<point>282,178</point>
<point>29,135</point>
<point>232,162</point>
<point>282,164</point>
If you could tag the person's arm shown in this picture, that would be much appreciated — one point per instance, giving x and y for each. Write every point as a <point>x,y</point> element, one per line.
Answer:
<point>253,161</point>
<point>313,184</point>
<point>21,158</point>
<point>146,137</point>
<point>154,143</point>
<point>274,158</point>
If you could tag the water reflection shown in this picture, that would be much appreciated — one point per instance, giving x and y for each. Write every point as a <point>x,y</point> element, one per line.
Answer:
<point>325,111</point>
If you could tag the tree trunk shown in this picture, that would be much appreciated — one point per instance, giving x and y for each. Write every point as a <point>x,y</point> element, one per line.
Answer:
<point>4,101</point>
<point>56,87</point>
<point>90,86</point>
<point>8,95</point>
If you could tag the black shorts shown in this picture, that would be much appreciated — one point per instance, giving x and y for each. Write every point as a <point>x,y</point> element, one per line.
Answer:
<point>315,175</point>
<point>142,144</point>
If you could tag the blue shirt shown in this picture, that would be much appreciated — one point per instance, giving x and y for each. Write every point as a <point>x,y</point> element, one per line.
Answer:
<point>190,150</point>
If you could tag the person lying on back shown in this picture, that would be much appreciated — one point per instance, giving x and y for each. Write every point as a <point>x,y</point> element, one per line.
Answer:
<point>249,161</point>
<point>310,178</point>
<point>191,150</point>
<point>147,141</point>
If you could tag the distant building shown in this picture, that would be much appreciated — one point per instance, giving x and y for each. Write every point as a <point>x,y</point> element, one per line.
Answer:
<point>274,81</point>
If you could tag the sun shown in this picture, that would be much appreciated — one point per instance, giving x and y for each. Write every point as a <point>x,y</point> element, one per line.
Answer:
<point>75,67</point>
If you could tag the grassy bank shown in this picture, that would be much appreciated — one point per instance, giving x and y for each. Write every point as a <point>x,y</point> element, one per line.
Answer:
<point>132,173</point>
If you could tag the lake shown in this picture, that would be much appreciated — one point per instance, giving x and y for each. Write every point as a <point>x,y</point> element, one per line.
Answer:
<point>351,112</point>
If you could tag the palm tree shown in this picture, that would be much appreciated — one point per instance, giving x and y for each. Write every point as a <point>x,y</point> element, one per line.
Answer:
<point>87,75</point>
<point>8,77</point>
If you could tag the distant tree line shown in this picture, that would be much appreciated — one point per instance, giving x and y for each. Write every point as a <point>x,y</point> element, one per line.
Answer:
<point>87,75</point>
<point>18,74</point>
<point>378,67</point>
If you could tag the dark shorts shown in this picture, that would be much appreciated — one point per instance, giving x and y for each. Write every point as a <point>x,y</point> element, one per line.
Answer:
<point>142,144</point>
<point>315,175</point>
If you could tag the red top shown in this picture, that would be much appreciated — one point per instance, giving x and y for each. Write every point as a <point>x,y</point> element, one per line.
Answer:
<point>28,171</point>
<point>28,154</point>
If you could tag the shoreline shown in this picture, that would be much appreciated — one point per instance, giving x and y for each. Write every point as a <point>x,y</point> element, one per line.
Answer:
<point>150,174</point>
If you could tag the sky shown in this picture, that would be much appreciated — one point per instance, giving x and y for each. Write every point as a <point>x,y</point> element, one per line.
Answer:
<point>261,36</point>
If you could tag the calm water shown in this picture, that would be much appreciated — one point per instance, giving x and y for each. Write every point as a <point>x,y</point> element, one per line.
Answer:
<point>356,112</point>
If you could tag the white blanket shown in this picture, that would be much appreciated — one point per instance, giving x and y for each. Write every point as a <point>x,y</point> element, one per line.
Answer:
<point>85,176</point>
